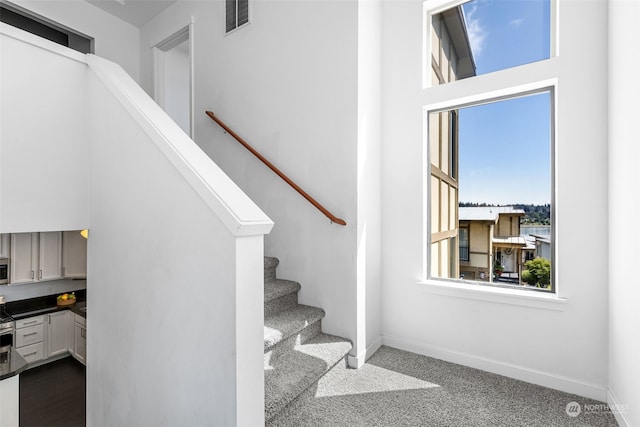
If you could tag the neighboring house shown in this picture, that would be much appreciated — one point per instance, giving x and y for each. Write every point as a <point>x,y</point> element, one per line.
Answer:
<point>489,235</point>
<point>451,60</point>
<point>335,93</point>
<point>542,246</point>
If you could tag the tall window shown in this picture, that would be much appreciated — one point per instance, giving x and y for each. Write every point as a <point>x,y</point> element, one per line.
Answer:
<point>490,156</point>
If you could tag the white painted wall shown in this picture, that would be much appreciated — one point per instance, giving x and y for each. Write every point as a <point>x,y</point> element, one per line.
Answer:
<point>368,188</point>
<point>43,135</point>
<point>288,84</point>
<point>624,209</point>
<point>564,348</point>
<point>115,39</point>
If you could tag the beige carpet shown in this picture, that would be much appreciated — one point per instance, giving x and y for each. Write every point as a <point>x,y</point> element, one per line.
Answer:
<point>398,388</point>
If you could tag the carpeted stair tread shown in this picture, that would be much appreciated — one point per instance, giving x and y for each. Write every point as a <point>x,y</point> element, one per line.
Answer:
<point>278,287</point>
<point>280,326</point>
<point>295,371</point>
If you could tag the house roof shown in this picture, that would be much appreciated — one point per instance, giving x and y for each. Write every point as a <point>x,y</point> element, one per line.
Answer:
<point>541,238</point>
<point>456,23</point>
<point>510,241</point>
<point>489,213</point>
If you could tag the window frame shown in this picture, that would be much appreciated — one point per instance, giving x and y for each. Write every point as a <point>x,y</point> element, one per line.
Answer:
<point>434,7</point>
<point>480,98</point>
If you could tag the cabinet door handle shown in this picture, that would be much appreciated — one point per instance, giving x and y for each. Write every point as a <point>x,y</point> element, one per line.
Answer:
<point>49,316</point>
<point>32,333</point>
<point>40,274</point>
<point>32,275</point>
<point>30,322</point>
<point>30,354</point>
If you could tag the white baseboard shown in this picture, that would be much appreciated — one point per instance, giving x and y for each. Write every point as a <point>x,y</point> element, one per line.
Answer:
<point>618,410</point>
<point>357,361</point>
<point>545,379</point>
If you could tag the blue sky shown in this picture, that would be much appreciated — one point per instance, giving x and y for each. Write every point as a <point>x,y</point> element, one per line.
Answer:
<point>505,146</point>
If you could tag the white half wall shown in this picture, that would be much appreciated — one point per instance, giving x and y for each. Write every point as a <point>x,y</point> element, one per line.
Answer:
<point>564,348</point>
<point>624,210</point>
<point>188,248</point>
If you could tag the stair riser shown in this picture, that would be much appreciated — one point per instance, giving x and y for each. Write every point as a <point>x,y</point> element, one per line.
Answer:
<point>289,343</point>
<point>272,414</point>
<point>280,304</point>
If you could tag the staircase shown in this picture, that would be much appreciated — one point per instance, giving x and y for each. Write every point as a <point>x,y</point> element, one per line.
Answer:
<point>296,352</point>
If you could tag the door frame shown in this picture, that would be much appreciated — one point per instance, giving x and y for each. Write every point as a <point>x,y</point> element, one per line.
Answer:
<point>159,50</point>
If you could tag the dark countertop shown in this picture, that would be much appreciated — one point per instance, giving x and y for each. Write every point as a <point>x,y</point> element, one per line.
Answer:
<point>45,305</point>
<point>13,366</point>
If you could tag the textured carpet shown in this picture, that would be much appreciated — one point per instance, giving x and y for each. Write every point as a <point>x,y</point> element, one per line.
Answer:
<point>398,388</point>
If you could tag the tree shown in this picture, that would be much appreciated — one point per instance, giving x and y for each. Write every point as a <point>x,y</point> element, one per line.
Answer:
<point>538,273</point>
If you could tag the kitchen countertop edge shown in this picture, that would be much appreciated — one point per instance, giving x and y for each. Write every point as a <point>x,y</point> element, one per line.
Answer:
<point>16,365</point>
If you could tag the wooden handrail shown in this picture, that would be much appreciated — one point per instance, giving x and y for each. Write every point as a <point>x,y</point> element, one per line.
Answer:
<point>278,172</point>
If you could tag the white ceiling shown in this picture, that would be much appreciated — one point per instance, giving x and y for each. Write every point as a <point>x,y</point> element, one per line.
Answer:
<point>135,12</point>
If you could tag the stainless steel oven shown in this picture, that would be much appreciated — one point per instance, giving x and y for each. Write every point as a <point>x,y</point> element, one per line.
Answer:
<point>6,340</point>
<point>4,271</point>
<point>6,332</point>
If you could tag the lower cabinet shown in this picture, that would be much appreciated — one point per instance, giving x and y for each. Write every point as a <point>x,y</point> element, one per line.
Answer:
<point>46,336</point>
<point>30,338</point>
<point>80,340</point>
<point>57,333</point>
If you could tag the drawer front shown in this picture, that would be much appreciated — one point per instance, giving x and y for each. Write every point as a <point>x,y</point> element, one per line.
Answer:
<point>29,321</point>
<point>28,336</point>
<point>33,352</point>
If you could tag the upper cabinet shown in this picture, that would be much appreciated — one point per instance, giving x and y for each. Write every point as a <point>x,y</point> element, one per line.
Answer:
<point>23,258</point>
<point>35,257</point>
<point>74,255</point>
<point>50,255</point>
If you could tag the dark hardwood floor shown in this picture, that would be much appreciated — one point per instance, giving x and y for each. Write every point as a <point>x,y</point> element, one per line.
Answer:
<point>53,395</point>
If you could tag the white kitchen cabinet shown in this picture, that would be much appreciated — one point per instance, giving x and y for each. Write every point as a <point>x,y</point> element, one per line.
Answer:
<point>23,258</point>
<point>74,255</point>
<point>50,256</point>
<point>29,338</point>
<point>80,340</point>
<point>35,257</point>
<point>57,333</point>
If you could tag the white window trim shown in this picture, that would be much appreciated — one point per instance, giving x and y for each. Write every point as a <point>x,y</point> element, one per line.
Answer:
<point>480,290</point>
<point>489,293</point>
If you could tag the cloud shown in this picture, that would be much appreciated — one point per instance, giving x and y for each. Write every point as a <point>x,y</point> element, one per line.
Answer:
<point>516,22</point>
<point>477,33</point>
